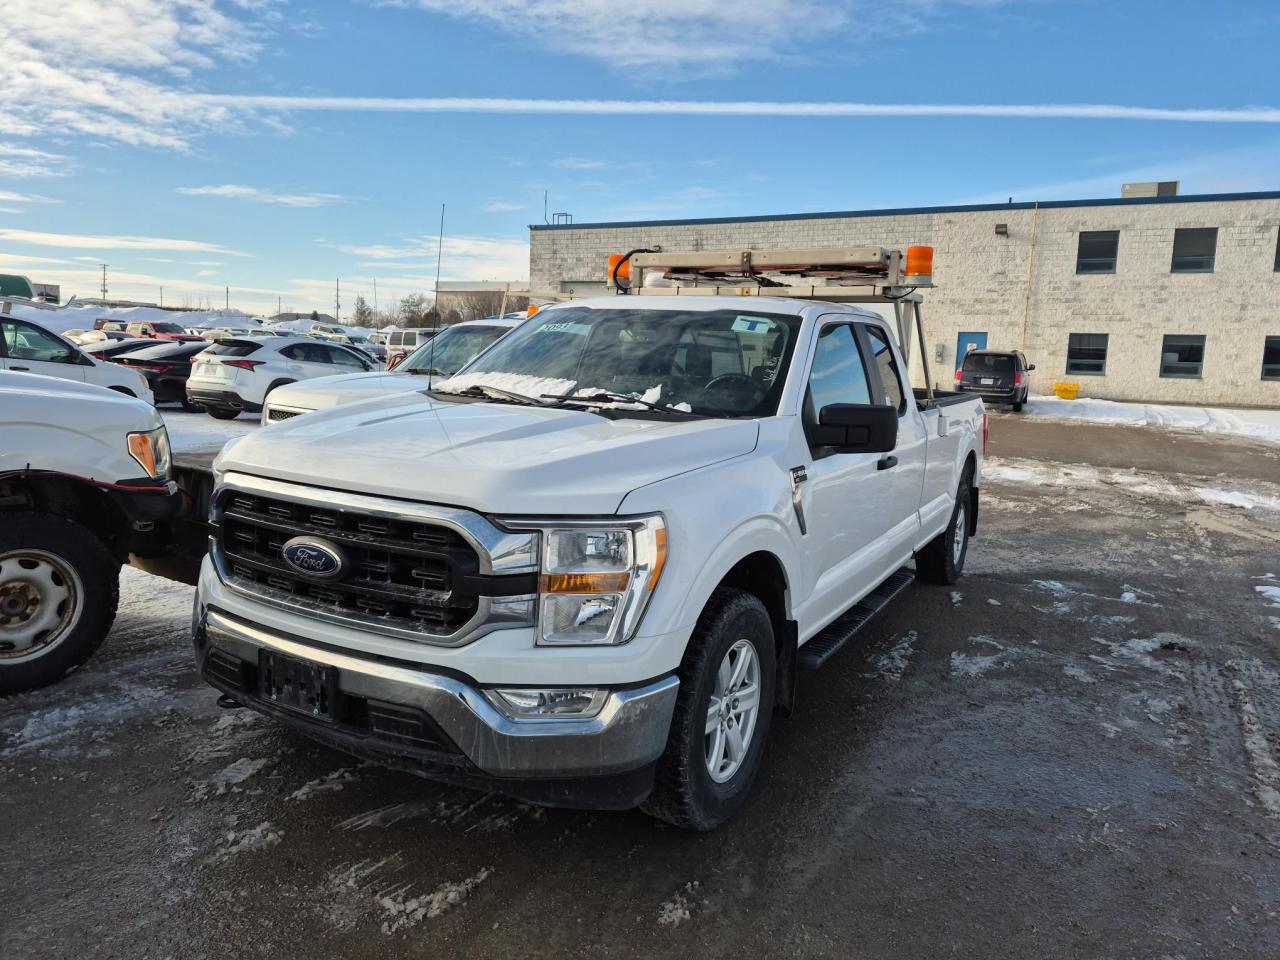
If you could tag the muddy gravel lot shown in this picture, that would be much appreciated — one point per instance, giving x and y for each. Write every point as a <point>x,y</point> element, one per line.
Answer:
<point>1073,753</point>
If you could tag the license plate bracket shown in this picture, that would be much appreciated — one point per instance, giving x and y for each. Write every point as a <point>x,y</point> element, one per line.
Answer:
<point>988,381</point>
<point>298,685</point>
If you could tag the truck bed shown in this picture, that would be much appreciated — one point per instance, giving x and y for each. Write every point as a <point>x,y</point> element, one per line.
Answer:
<point>941,398</point>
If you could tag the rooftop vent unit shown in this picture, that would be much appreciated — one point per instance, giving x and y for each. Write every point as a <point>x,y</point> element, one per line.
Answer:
<point>1153,188</point>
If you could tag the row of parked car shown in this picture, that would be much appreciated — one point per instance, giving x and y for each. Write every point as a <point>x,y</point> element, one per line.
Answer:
<point>235,374</point>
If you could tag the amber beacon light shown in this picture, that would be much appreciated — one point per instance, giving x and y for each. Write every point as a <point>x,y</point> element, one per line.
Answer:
<point>919,268</point>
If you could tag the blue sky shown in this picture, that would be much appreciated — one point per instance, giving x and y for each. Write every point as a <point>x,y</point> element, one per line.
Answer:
<point>143,133</point>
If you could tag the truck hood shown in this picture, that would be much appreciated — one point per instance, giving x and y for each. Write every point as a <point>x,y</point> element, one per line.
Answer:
<point>325,392</point>
<point>489,457</point>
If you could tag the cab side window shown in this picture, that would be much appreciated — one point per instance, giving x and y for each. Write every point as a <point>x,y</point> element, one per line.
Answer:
<point>838,374</point>
<point>888,367</point>
<point>25,342</point>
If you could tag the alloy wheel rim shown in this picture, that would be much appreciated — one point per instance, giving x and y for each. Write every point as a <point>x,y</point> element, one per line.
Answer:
<point>962,532</point>
<point>41,599</point>
<point>732,712</point>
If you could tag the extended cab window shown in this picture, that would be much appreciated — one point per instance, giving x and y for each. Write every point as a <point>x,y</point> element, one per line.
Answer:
<point>838,375</point>
<point>888,366</point>
<point>25,342</point>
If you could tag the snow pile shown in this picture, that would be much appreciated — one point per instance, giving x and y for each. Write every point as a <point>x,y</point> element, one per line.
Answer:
<point>1252,424</point>
<point>329,783</point>
<point>81,316</point>
<point>892,664</point>
<point>679,908</point>
<point>523,383</point>
<point>262,837</point>
<point>403,911</point>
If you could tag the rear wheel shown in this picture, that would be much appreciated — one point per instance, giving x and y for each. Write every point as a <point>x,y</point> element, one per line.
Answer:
<point>58,596</point>
<point>1017,406</point>
<point>722,715</point>
<point>223,413</point>
<point>942,559</point>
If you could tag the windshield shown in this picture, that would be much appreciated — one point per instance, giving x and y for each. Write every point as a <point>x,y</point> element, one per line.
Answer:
<point>709,362</point>
<point>448,353</point>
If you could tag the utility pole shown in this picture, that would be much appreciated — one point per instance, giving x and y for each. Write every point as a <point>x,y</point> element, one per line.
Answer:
<point>226,292</point>
<point>162,296</point>
<point>337,304</point>
<point>104,281</point>
<point>278,305</point>
<point>439,254</point>
<point>375,296</point>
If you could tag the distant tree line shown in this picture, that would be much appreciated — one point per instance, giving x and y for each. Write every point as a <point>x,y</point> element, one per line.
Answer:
<point>417,310</point>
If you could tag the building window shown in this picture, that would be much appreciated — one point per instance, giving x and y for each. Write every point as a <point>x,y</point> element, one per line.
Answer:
<point>1182,356</point>
<point>1194,249</point>
<point>1087,354</point>
<point>1097,251</point>
<point>1271,359</point>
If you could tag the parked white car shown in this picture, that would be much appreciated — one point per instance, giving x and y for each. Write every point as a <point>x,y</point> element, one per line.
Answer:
<point>28,348</point>
<point>236,375</point>
<point>441,357</point>
<point>84,482</point>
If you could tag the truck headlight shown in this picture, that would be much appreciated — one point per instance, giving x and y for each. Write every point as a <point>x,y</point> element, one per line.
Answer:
<point>151,450</point>
<point>597,578</point>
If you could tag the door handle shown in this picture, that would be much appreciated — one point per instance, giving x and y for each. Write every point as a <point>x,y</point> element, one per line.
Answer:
<point>886,463</point>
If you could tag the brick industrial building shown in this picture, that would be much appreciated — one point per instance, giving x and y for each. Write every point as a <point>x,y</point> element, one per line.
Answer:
<point>1159,298</point>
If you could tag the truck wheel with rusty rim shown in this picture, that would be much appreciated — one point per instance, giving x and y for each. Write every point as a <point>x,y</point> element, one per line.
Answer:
<point>58,594</point>
<point>722,714</point>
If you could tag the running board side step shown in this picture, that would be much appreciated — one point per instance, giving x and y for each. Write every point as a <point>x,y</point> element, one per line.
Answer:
<point>842,629</point>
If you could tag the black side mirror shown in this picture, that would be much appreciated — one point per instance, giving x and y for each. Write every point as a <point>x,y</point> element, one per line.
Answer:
<point>1030,367</point>
<point>855,428</point>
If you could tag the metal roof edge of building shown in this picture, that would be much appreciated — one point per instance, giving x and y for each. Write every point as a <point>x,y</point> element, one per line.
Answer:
<point>915,211</point>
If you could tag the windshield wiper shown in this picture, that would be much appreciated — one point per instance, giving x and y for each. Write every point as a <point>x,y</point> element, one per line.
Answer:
<point>608,396</point>
<point>495,393</point>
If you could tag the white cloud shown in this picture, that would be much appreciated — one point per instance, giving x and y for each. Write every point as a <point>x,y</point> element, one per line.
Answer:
<point>18,161</point>
<point>8,261</point>
<point>259,195</point>
<point>464,257</point>
<point>744,108</point>
<point>8,197</point>
<point>110,242</point>
<point>697,34</point>
<point>107,68</point>
<point>503,206</point>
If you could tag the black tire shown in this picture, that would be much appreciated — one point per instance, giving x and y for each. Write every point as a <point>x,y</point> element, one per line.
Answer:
<point>78,549</point>
<point>684,793</point>
<point>223,413</point>
<point>190,406</point>
<point>940,561</point>
<point>1017,406</point>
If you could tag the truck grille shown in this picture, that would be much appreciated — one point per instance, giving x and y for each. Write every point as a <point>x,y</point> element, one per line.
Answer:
<point>407,574</point>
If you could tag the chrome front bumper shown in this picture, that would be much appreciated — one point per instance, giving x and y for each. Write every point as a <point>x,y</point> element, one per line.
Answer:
<point>629,733</point>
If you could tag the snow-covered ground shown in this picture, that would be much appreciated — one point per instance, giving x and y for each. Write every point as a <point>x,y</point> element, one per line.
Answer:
<point>199,431</point>
<point>74,316</point>
<point>1261,425</point>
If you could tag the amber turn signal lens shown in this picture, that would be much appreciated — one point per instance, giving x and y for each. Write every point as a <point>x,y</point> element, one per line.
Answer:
<point>141,449</point>
<point>584,582</point>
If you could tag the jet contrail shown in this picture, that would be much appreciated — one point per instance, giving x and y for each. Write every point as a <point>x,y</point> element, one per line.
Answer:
<point>743,108</point>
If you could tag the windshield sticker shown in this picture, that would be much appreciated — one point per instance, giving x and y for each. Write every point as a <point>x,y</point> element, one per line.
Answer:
<point>581,329</point>
<point>752,325</point>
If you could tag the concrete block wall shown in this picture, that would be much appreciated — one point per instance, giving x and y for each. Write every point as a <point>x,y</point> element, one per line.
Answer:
<point>983,284</point>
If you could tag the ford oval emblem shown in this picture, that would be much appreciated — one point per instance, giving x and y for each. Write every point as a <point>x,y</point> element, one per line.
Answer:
<point>314,558</point>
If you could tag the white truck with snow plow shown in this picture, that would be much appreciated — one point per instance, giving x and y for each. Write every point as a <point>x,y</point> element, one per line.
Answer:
<point>585,570</point>
<point>84,483</point>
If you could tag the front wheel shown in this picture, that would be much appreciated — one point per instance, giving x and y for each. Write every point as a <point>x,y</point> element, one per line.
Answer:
<point>722,715</point>
<point>942,559</point>
<point>58,594</point>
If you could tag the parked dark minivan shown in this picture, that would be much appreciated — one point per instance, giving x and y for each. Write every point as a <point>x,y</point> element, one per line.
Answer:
<point>998,376</point>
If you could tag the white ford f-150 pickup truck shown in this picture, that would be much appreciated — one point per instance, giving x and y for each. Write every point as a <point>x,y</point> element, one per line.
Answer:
<point>585,570</point>
<point>84,482</point>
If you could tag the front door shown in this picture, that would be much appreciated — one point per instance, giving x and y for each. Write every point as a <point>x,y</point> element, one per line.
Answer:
<point>966,342</point>
<point>851,500</point>
<point>28,349</point>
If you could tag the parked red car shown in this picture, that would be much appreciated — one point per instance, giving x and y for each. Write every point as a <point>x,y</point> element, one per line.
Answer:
<point>160,330</point>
